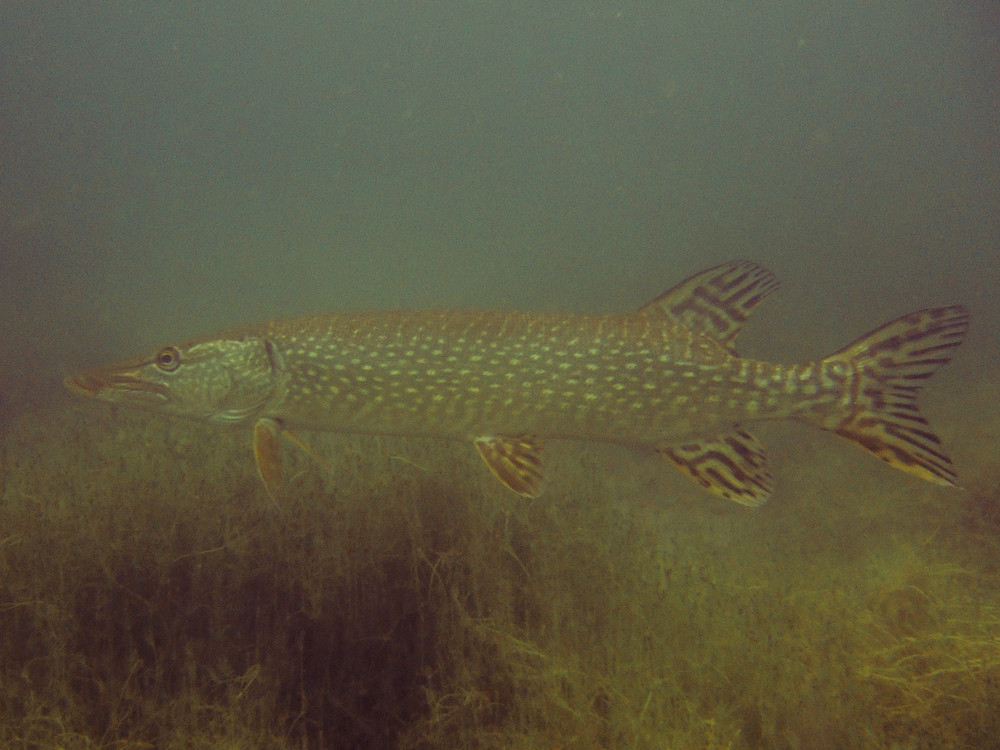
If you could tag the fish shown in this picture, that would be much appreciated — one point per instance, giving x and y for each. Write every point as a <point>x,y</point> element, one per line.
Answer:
<point>664,379</point>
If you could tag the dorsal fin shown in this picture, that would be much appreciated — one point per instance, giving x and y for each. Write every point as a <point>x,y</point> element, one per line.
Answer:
<point>716,302</point>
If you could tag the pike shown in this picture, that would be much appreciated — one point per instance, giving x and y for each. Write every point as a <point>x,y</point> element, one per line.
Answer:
<point>665,378</point>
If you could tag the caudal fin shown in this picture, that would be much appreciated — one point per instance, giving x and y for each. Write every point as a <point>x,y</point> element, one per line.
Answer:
<point>884,371</point>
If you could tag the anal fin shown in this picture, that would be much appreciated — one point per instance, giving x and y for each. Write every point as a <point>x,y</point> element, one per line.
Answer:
<point>733,466</point>
<point>515,461</point>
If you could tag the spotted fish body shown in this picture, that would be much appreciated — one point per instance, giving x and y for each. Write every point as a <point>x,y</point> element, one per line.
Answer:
<point>461,374</point>
<point>664,378</point>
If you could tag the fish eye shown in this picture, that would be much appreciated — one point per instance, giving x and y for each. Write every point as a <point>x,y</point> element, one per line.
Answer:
<point>168,359</point>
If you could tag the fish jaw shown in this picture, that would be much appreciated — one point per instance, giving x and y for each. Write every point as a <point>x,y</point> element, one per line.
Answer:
<point>123,384</point>
<point>219,380</point>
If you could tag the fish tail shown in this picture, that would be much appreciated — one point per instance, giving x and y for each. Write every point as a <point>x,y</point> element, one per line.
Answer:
<point>882,373</point>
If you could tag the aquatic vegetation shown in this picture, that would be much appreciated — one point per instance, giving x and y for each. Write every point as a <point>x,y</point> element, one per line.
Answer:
<point>152,595</point>
<point>933,664</point>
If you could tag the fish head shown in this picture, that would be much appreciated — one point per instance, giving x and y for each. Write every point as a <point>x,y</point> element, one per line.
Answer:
<point>222,380</point>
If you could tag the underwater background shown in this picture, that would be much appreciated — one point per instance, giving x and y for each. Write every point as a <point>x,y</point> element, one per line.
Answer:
<point>167,169</point>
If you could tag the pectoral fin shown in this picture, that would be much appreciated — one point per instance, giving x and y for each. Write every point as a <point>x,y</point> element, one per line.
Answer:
<point>515,461</point>
<point>733,466</point>
<point>267,451</point>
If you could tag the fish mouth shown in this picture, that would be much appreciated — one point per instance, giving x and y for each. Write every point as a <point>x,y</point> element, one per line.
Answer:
<point>110,385</point>
<point>83,384</point>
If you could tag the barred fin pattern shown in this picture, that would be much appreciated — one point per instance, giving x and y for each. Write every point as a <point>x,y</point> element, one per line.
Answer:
<point>716,302</point>
<point>888,366</point>
<point>515,461</point>
<point>733,466</point>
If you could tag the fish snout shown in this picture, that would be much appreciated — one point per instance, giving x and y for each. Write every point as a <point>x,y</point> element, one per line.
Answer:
<point>84,384</point>
<point>111,384</point>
